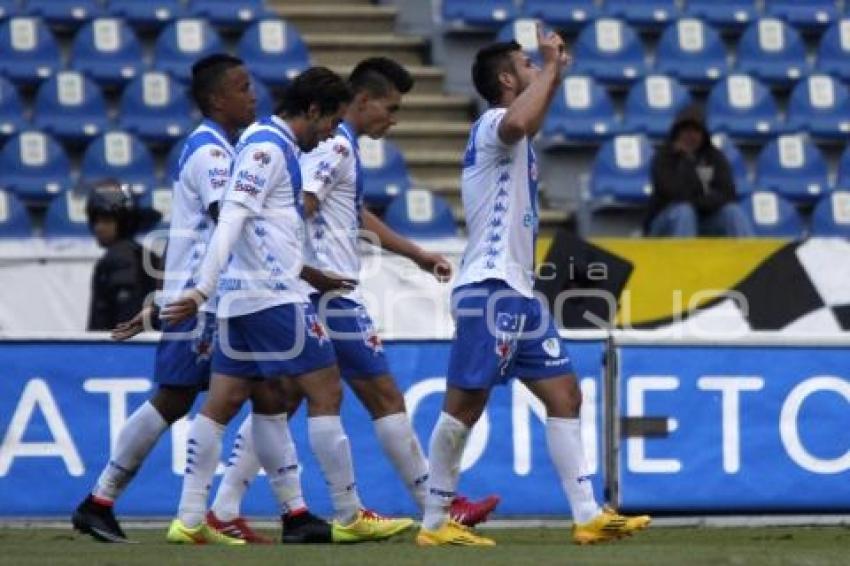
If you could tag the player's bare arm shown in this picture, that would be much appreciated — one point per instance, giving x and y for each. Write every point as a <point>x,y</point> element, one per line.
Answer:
<point>325,281</point>
<point>433,263</point>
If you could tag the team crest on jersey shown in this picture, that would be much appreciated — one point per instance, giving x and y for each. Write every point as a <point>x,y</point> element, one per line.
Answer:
<point>552,346</point>
<point>262,158</point>
<point>217,153</point>
<point>315,328</point>
<point>341,149</point>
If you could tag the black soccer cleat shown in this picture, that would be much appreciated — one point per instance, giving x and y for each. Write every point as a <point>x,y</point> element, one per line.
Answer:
<point>99,521</point>
<point>305,528</point>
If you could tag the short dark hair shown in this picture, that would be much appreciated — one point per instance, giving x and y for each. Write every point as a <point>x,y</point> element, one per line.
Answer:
<point>489,62</point>
<point>316,85</point>
<point>378,75</point>
<point>206,77</point>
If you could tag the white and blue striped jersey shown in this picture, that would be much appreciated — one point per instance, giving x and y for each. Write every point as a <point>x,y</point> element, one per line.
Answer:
<point>199,181</point>
<point>499,191</point>
<point>265,263</point>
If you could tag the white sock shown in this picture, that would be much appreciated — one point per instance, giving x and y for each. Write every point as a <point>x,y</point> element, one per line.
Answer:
<point>242,467</point>
<point>447,443</point>
<point>203,450</point>
<point>400,444</point>
<point>137,438</point>
<point>276,452</point>
<point>563,436</point>
<point>332,450</point>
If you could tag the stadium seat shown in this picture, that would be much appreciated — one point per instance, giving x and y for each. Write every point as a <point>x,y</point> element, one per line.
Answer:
<point>64,13</point>
<point>820,105</point>
<point>773,52</point>
<point>182,43</point>
<point>478,13</point>
<point>692,52</point>
<point>419,213</point>
<point>108,51</point>
<point>644,14</point>
<point>66,216</point>
<point>793,167</point>
<point>563,14</point>
<point>809,15</point>
<point>524,32</point>
<point>70,107</point>
<point>610,51</point>
<point>274,51</point>
<point>228,13</point>
<point>121,156</point>
<point>14,219</point>
<point>723,14</point>
<point>34,166</point>
<point>652,104</point>
<point>743,185</point>
<point>582,111</point>
<point>620,171</point>
<point>265,104</point>
<point>156,108</point>
<point>385,174</point>
<point>172,159</point>
<point>159,199</point>
<point>772,216</point>
<point>834,50</point>
<point>831,215</point>
<point>9,9</point>
<point>742,107</point>
<point>28,51</point>
<point>145,14</point>
<point>11,111</point>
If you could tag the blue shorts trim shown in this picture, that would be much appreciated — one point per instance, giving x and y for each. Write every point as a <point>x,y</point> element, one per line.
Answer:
<point>184,352</point>
<point>284,340</point>
<point>501,334</point>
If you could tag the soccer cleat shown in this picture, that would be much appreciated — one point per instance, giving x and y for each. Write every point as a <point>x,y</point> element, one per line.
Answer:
<point>369,526</point>
<point>178,533</point>
<point>633,524</point>
<point>470,513</point>
<point>237,528</point>
<point>608,525</point>
<point>452,533</point>
<point>305,528</point>
<point>98,520</point>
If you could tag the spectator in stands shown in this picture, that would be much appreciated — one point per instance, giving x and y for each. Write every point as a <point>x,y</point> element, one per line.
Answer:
<point>123,277</point>
<point>693,187</point>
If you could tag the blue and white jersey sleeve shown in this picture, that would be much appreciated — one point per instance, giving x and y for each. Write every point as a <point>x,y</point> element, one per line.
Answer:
<point>258,167</point>
<point>330,164</point>
<point>208,170</point>
<point>487,134</point>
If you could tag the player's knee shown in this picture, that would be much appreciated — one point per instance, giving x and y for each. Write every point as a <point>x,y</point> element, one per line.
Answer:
<point>325,401</point>
<point>173,403</point>
<point>566,402</point>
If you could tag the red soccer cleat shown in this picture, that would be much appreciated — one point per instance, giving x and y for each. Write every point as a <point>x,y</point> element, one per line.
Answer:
<point>237,528</point>
<point>470,513</point>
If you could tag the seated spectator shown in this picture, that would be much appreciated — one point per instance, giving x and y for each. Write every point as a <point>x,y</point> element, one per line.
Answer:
<point>693,186</point>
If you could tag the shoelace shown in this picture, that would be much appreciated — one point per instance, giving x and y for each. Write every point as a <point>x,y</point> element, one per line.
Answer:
<point>370,515</point>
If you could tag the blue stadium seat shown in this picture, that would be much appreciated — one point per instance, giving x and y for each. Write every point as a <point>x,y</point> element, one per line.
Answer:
<point>70,107</point>
<point>228,13</point>
<point>723,14</point>
<point>842,180</point>
<point>171,161</point>
<point>419,213</point>
<point>121,156</point>
<point>563,14</point>
<point>146,14</point>
<point>831,215</point>
<point>9,9</point>
<point>34,166</point>
<point>809,15</point>
<point>524,32</point>
<point>692,52</point>
<point>11,110</point>
<point>64,13</point>
<point>14,219</point>
<point>66,216</point>
<point>793,167</point>
<point>28,51</point>
<point>182,43</point>
<point>108,51</point>
<point>478,13</point>
<point>582,111</point>
<point>652,104</point>
<point>274,51</point>
<point>834,50</point>
<point>265,104</point>
<point>385,174</point>
<point>743,185</point>
<point>773,52</point>
<point>820,105</point>
<point>644,14</point>
<point>156,108</point>
<point>610,51</point>
<point>772,216</point>
<point>742,107</point>
<point>159,199</point>
<point>620,172</point>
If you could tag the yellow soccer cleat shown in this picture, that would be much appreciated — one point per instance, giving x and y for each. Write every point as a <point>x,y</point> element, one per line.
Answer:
<point>178,533</point>
<point>369,526</point>
<point>608,525</point>
<point>452,533</point>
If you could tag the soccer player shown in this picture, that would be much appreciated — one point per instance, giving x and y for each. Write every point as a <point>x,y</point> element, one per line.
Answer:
<point>502,330</point>
<point>333,201</point>
<point>269,331</point>
<point>222,90</point>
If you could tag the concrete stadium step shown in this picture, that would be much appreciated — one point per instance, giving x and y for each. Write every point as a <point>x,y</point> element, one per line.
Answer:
<point>333,18</point>
<point>428,80</point>
<point>434,164</point>
<point>428,136</point>
<point>348,49</point>
<point>435,108</point>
